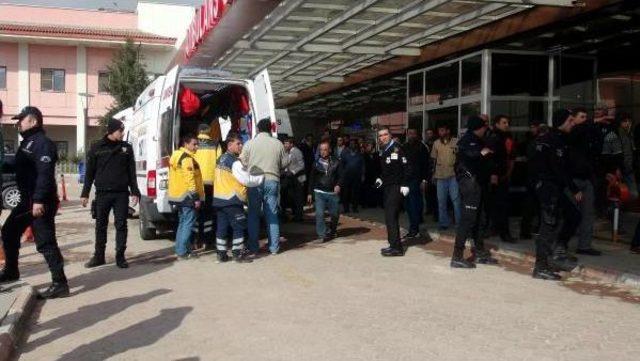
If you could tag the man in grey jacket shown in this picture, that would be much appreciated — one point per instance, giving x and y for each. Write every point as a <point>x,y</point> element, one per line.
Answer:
<point>264,155</point>
<point>293,180</point>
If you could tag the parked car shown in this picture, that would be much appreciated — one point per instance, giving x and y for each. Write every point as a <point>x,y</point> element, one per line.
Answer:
<point>10,193</point>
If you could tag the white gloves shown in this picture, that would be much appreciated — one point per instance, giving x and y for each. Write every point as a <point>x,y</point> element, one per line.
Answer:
<point>404,191</point>
<point>378,183</point>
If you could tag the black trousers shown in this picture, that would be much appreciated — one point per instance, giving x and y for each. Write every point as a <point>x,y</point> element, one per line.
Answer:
<point>105,202</point>
<point>559,220</point>
<point>472,196</point>
<point>351,192</point>
<point>292,193</point>
<point>392,205</point>
<point>44,233</point>
<point>530,209</point>
<point>499,208</point>
<point>206,218</point>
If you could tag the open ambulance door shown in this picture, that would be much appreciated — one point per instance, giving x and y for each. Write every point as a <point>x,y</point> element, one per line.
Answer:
<point>168,134</point>
<point>263,104</point>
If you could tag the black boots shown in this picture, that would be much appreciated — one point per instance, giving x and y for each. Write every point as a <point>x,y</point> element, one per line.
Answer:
<point>95,261</point>
<point>458,261</point>
<point>222,256</point>
<point>121,261</point>
<point>9,275</point>
<point>544,273</point>
<point>392,252</point>
<point>56,290</point>
<point>482,257</point>
<point>238,256</point>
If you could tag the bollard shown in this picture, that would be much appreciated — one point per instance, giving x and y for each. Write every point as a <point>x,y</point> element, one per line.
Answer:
<point>616,221</point>
<point>63,187</point>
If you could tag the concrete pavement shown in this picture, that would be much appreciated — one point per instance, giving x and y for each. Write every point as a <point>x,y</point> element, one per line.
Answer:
<point>335,301</point>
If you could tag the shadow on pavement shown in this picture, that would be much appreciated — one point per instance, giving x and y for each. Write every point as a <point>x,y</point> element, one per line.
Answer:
<point>87,316</point>
<point>63,247</point>
<point>140,265</point>
<point>139,335</point>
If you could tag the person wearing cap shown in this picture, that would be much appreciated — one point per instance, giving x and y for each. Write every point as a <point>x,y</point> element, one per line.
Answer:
<point>111,166</point>
<point>209,150</point>
<point>472,168</point>
<point>35,176</point>
<point>530,202</point>
<point>557,196</point>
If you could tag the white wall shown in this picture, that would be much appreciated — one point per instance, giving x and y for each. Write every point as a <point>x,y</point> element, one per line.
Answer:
<point>165,19</point>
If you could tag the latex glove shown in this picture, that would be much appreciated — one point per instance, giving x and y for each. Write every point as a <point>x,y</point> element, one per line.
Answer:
<point>378,183</point>
<point>404,191</point>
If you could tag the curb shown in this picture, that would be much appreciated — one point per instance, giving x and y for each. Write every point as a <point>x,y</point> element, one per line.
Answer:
<point>606,275</point>
<point>15,321</point>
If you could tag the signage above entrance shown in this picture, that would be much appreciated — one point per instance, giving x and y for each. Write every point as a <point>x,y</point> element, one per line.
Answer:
<point>205,19</point>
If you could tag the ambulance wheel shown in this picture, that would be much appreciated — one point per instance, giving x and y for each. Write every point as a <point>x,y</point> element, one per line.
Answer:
<point>146,232</point>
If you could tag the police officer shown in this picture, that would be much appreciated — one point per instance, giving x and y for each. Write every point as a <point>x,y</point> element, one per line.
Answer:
<point>554,187</point>
<point>111,163</point>
<point>393,179</point>
<point>473,167</point>
<point>35,176</point>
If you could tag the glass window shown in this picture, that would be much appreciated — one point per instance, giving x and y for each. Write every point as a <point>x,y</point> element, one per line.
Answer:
<point>166,133</point>
<point>442,83</point>
<point>520,112</point>
<point>63,149</point>
<point>471,76</point>
<point>468,110</point>
<point>519,75</point>
<point>574,81</point>
<point>415,121</point>
<point>416,87</point>
<point>440,116</point>
<point>52,80</point>
<point>103,82</point>
<point>3,77</point>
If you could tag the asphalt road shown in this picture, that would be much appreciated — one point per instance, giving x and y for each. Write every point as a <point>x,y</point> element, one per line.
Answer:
<point>335,301</point>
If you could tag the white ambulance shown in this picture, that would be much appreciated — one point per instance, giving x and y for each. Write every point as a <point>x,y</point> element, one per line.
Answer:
<point>158,122</point>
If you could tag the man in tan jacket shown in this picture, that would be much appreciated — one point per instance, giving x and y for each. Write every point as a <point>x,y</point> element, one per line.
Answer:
<point>444,158</point>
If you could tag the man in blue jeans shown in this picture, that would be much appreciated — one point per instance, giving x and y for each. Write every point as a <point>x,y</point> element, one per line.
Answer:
<point>324,184</point>
<point>443,154</point>
<point>264,155</point>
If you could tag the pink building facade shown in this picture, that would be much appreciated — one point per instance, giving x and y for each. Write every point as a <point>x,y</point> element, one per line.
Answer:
<point>54,63</point>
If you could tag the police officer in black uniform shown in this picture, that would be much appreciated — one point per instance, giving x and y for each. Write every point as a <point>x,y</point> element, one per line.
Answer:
<point>35,176</point>
<point>393,179</point>
<point>554,187</point>
<point>473,167</point>
<point>111,163</point>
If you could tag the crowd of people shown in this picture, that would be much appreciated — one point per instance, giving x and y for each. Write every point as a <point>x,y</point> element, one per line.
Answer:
<point>574,171</point>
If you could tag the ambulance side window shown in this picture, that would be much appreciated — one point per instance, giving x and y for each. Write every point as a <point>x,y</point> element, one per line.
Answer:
<point>166,133</point>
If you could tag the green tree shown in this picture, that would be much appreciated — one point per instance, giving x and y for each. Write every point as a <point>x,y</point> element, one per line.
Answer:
<point>127,78</point>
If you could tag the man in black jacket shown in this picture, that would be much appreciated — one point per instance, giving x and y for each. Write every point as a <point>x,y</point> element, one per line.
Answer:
<point>418,158</point>
<point>324,184</point>
<point>111,163</point>
<point>554,187</point>
<point>35,176</point>
<point>393,180</point>
<point>472,167</point>
<point>501,143</point>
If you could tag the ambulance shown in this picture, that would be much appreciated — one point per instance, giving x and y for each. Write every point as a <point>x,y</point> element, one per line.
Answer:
<point>177,103</point>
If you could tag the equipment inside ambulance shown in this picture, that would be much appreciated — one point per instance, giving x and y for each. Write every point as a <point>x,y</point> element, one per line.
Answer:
<point>176,104</point>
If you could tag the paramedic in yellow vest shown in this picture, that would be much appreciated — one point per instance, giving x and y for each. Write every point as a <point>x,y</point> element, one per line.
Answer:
<point>229,198</point>
<point>186,191</point>
<point>209,151</point>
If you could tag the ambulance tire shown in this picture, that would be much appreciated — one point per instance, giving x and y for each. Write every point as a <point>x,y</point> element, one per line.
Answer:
<point>147,233</point>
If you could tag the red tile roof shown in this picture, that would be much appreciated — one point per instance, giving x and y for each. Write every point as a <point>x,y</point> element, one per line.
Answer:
<point>62,31</point>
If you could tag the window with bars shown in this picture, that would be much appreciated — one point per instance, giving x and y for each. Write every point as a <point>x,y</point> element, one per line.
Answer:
<point>103,82</point>
<point>3,77</point>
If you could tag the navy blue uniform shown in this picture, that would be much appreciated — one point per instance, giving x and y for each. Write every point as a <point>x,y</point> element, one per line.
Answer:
<point>395,172</point>
<point>35,176</point>
<point>472,172</point>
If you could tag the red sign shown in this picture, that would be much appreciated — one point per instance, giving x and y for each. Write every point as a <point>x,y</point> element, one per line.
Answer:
<point>205,19</point>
